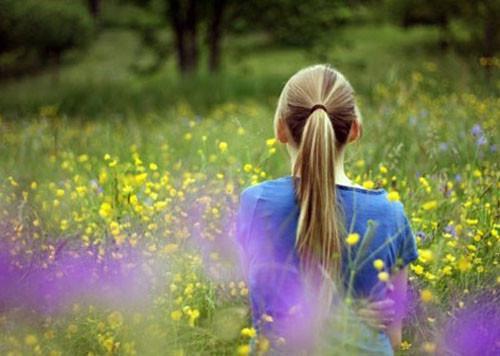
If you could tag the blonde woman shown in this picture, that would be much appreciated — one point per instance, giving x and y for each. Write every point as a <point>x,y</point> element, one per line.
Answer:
<point>322,255</point>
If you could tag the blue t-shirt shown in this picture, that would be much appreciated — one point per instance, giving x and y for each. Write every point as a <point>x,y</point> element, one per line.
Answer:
<point>266,229</point>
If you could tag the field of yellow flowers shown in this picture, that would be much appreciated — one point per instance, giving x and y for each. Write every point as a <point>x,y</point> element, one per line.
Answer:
<point>117,236</point>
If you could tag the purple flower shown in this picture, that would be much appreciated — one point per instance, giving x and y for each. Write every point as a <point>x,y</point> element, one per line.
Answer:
<point>476,130</point>
<point>493,148</point>
<point>450,229</point>
<point>422,235</point>
<point>458,178</point>
<point>481,140</point>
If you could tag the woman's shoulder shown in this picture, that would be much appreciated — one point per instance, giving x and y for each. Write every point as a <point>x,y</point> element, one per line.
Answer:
<point>275,185</point>
<point>272,195</point>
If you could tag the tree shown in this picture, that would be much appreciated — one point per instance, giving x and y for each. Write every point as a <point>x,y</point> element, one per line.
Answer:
<point>183,17</point>
<point>42,29</point>
<point>214,34</point>
<point>94,7</point>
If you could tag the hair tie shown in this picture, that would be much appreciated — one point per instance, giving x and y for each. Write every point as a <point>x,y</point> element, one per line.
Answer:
<point>317,106</point>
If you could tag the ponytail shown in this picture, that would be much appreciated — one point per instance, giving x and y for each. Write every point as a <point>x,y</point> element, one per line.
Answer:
<point>317,108</point>
<point>318,241</point>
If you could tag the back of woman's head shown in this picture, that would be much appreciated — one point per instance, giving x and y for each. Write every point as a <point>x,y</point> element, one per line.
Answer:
<point>317,106</point>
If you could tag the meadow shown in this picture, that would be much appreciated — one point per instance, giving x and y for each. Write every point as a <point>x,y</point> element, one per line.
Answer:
<point>118,195</point>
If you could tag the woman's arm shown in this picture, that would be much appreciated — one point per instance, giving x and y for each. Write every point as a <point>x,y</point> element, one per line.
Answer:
<point>398,294</point>
<point>387,314</point>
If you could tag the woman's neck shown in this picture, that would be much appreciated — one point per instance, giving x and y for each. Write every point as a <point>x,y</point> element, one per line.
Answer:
<point>340,176</point>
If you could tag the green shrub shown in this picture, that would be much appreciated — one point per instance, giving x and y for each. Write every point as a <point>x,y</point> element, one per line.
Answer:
<point>47,28</point>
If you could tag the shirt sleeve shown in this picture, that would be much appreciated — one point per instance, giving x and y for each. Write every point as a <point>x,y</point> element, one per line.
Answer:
<point>243,223</point>
<point>407,246</point>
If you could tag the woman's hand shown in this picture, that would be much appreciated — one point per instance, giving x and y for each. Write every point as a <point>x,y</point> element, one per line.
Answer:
<point>378,314</point>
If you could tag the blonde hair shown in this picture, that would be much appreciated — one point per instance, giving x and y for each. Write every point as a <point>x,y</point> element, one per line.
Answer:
<point>318,107</point>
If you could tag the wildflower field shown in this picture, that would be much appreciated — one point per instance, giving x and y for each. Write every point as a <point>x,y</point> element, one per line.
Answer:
<point>117,236</point>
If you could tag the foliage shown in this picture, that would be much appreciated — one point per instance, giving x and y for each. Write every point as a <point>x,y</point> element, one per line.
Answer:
<point>46,28</point>
<point>299,23</point>
<point>476,18</point>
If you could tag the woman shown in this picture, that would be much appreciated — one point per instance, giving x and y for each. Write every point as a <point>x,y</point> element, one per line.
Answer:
<point>324,259</point>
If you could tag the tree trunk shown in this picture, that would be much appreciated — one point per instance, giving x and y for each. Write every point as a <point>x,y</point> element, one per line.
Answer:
<point>191,42</point>
<point>184,21</point>
<point>489,44</point>
<point>94,7</point>
<point>215,34</point>
<point>174,13</point>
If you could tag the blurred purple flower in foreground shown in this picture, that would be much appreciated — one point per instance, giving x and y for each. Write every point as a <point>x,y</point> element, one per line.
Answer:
<point>474,330</point>
<point>73,274</point>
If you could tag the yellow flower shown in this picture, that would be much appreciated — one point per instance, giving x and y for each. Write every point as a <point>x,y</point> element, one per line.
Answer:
<point>418,269</point>
<point>30,340</point>
<point>429,347</point>
<point>464,264</point>
<point>383,276</point>
<point>405,345</point>
<point>243,350</point>
<point>430,205</point>
<point>105,210</point>
<point>193,315</point>
<point>140,178</point>
<point>176,315</point>
<point>393,196</point>
<point>263,344</point>
<point>153,166</point>
<point>426,296</point>
<point>270,142</point>
<point>169,248</point>
<point>188,136</point>
<point>83,158</point>
<point>247,167</point>
<point>378,264</point>
<point>108,344</point>
<point>223,146</point>
<point>426,255</point>
<point>352,239</point>
<point>114,228</point>
<point>368,184</point>
<point>248,332</point>
<point>59,193</point>
<point>64,224</point>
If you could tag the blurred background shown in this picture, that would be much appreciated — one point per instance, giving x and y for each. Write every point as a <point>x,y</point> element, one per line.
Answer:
<point>129,57</point>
